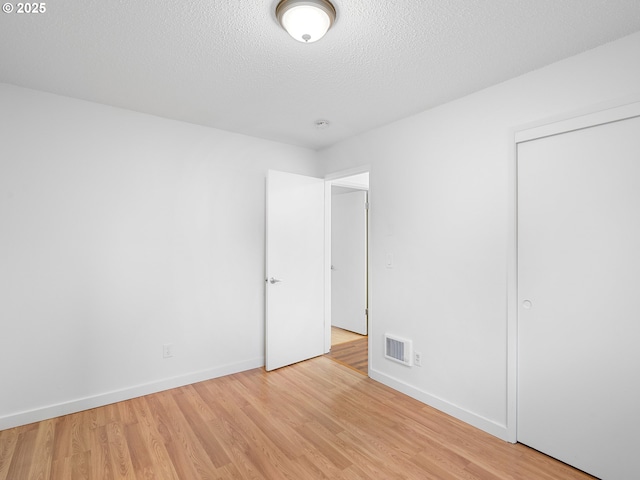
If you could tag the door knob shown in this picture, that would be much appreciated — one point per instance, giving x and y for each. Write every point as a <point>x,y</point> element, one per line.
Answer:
<point>274,280</point>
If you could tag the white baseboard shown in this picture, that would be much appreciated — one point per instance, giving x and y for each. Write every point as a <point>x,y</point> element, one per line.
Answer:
<point>489,426</point>
<point>86,403</point>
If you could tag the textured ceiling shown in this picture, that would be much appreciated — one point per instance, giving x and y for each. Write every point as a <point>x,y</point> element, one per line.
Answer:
<point>228,64</point>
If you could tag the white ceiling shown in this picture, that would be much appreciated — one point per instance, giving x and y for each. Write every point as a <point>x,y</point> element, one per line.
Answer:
<point>228,64</point>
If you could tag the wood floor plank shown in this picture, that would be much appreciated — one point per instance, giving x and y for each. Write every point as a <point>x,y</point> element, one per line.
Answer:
<point>279,433</point>
<point>339,335</point>
<point>126,412</point>
<point>120,456</point>
<point>325,441</point>
<point>313,420</point>
<point>371,457</point>
<point>199,404</point>
<point>108,414</point>
<point>8,441</point>
<point>159,417</point>
<point>61,468</point>
<point>62,440</point>
<point>142,459</point>
<point>22,457</point>
<point>102,463</point>
<point>42,455</point>
<point>277,403</point>
<point>189,458</point>
<point>79,433</point>
<point>251,446</point>
<point>153,440</point>
<point>81,466</point>
<point>353,354</point>
<point>209,443</point>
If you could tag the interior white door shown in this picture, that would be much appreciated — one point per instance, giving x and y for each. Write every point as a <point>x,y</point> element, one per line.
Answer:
<point>349,261</point>
<point>578,291</point>
<point>294,269</point>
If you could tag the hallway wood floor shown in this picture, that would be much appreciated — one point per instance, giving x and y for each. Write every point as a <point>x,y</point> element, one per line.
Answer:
<point>353,354</point>
<point>313,420</point>
<point>350,349</point>
<point>338,336</point>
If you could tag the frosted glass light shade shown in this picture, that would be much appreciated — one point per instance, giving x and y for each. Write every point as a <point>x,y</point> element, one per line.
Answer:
<point>306,20</point>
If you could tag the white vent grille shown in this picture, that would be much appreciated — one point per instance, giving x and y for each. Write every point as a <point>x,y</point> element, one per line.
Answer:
<point>397,349</point>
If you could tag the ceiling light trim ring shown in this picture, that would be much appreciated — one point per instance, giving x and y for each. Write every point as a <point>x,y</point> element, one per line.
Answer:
<point>287,6</point>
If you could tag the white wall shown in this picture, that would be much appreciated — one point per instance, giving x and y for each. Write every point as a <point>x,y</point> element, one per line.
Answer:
<point>439,204</point>
<point>120,232</point>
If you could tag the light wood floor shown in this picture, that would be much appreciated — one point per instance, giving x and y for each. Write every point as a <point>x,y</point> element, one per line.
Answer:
<point>313,420</point>
<point>350,349</point>
<point>338,336</point>
<point>353,354</point>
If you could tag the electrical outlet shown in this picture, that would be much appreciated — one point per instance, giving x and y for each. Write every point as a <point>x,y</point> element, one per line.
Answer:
<point>167,350</point>
<point>417,359</point>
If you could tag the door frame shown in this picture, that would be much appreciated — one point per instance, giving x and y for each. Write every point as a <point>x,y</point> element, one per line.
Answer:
<point>602,113</point>
<point>330,179</point>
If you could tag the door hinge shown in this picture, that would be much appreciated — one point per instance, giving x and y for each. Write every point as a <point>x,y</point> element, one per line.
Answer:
<point>366,206</point>
<point>366,311</point>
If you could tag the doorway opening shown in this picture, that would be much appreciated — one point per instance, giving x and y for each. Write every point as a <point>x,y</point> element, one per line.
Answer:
<point>348,308</point>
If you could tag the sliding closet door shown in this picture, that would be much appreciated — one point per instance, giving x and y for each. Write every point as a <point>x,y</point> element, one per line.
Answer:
<point>579,297</point>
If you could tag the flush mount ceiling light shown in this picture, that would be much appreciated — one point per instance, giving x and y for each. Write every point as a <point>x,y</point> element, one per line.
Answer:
<point>306,20</point>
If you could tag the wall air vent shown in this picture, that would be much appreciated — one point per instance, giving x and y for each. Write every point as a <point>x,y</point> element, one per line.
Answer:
<point>397,349</point>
